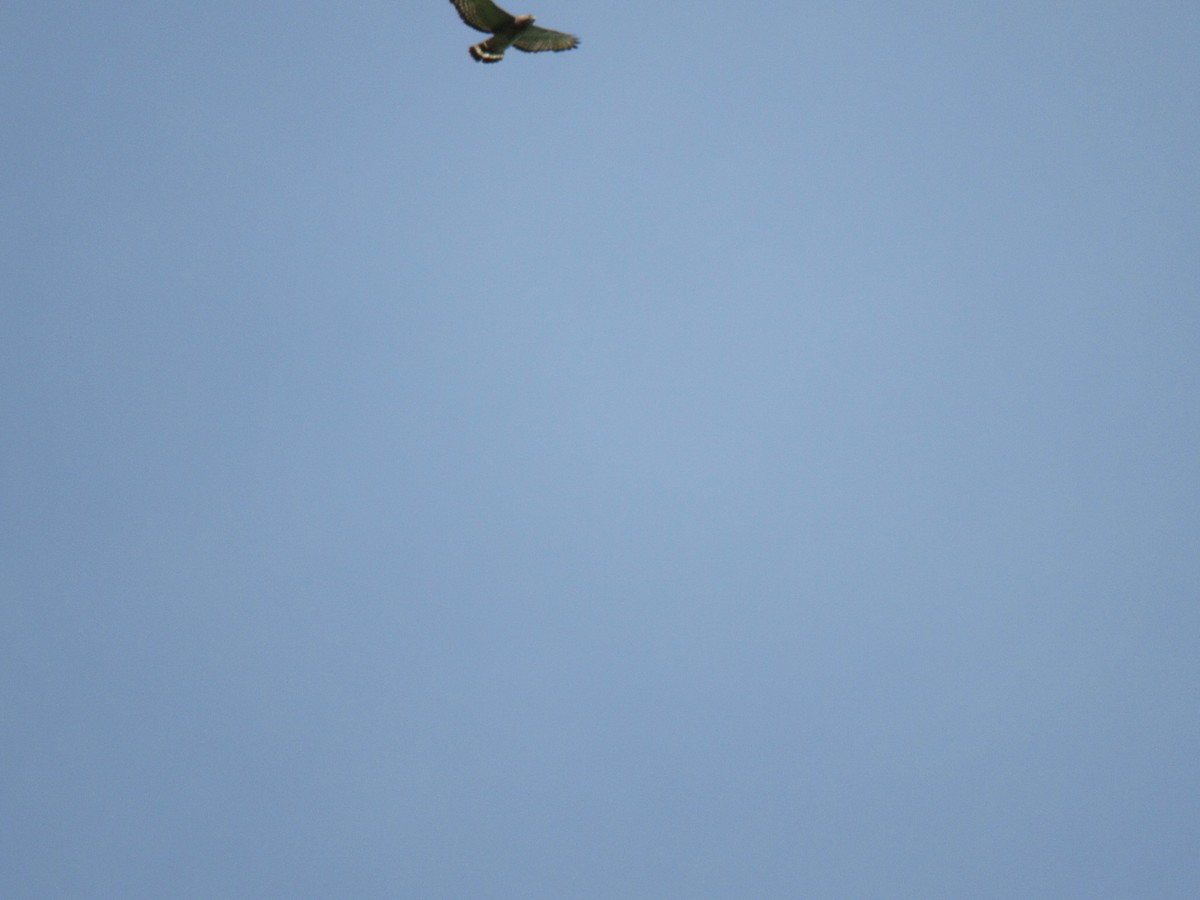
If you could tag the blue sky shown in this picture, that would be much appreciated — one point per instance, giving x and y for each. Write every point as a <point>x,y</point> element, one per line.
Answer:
<point>748,456</point>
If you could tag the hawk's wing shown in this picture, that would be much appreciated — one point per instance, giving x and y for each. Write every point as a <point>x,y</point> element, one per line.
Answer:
<point>534,40</point>
<point>482,15</point>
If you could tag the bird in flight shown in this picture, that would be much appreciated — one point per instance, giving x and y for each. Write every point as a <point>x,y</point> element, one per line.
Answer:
<point>507,30</point>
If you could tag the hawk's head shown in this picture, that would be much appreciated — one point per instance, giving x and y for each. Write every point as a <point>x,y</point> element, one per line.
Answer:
<point>522,21</point>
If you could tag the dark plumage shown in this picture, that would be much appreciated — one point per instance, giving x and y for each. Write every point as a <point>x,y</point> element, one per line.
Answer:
<point>507,30</point>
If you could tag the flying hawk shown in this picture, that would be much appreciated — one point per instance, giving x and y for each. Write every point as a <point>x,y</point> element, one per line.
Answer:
<point>508,30</point>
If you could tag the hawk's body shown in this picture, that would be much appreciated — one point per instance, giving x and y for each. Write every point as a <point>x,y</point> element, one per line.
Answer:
<point>507,30</point>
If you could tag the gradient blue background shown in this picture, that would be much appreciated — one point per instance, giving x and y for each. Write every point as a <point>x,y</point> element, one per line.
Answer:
<point>754,455</point>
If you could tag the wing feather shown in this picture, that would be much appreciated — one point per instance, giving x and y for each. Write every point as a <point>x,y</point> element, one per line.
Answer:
<point>482,15</point>
<point>535,40</point>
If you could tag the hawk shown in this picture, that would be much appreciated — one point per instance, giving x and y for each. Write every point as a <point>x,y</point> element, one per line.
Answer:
<point>507,30</point>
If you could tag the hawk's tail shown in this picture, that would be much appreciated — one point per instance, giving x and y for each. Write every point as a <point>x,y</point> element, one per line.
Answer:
<point>481,52</point>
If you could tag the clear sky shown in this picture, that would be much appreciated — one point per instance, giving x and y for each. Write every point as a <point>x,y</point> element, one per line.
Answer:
<point>756,454</point>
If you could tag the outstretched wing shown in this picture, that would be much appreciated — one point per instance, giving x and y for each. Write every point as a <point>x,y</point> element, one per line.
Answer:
<point>482,15</point>
<point>534,40</point>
